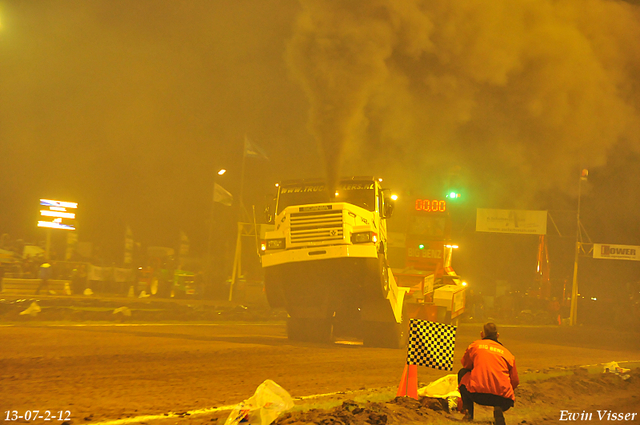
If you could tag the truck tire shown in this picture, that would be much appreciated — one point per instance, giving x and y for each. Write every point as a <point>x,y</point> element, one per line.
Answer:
<point>378,277</point>
<point>384,275</point>
<point>309,330</point>
<point>273,289</point>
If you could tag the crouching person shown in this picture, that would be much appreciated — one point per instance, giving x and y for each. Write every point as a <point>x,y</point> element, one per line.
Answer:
<point>488,375</point>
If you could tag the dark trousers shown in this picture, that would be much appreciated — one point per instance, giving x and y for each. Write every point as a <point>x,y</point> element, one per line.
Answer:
<point>44,283</point>
<point>469,398</point>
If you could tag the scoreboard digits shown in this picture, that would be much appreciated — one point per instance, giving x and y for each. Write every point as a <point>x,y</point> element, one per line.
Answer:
<point>431,205</point>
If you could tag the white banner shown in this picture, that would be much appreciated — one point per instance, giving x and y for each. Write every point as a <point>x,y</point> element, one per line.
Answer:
<point>458,302</point>
<point>616,252</point>
<point>428,284</point>
<point>523,222</point>
<point>107,274</point>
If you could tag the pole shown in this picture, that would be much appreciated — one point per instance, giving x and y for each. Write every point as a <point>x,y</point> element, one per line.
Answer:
<point>210,268</point>
<point>236,262</point>
<point>237,258</point>
<point>211,226</point>
<point>573,319</point>
<point>47,249</point>
<point>255,231</point>
<point>242,211</point>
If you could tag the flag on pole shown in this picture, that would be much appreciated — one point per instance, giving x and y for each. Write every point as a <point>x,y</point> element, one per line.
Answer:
<point>431,344</point>
<point>251,150</point>
<point>221,195</point>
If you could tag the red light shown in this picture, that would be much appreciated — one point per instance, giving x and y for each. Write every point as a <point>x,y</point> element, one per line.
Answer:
<point>431,205</point>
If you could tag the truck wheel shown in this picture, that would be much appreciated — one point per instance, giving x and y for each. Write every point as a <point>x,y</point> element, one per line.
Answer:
<point>273,290</point>
<point>383,276</point>
<point>377,279</point>
<point>309,330</point>
<point>384,335</point>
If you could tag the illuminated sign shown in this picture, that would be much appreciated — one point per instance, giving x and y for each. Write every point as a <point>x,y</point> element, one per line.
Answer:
<point>58,211</point>
<point>431,205</point>
<point>525,222</point>
<point>616,252</point>
<point>59,214</point>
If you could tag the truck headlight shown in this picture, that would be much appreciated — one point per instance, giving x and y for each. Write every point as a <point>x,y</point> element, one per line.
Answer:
<point>276,243</point>
<point>363,237</point>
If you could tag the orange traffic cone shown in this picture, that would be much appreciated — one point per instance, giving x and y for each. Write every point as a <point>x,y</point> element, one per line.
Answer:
<point>409,382</point>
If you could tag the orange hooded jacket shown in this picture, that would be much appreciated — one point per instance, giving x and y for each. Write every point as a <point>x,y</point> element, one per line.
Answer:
<point>493,369</point>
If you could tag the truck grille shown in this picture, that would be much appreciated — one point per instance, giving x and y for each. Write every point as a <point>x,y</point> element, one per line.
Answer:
<point>316,226</point>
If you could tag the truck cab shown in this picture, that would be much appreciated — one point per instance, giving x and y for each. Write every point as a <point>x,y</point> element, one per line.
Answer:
<point>326,260</point>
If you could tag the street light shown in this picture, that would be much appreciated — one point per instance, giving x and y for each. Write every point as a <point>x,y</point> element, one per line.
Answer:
<point>211,225</point>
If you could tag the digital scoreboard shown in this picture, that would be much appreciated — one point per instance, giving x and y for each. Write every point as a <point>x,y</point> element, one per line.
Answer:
<point>56,212</point>
<point>431,205</point>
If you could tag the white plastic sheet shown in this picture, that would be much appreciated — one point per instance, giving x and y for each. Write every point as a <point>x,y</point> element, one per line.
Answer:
<point>445,387</point>
<point>266,404</point>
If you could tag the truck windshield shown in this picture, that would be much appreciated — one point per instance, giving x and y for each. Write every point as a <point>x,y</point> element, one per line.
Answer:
<point>361,194</point>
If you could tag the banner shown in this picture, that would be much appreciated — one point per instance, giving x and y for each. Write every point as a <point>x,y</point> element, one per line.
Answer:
<point>427,283</point>
<point>110,274</point>
<point>458,303</point>
<point>524,222</point>
<point>616,252</point>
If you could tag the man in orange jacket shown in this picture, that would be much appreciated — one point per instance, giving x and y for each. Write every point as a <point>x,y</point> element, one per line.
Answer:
<point>488,375</point>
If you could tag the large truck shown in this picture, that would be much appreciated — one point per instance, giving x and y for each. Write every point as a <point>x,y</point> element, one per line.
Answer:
<point>326,262</point>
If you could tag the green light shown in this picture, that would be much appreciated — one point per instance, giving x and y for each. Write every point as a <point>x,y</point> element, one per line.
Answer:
<point>421,246</point>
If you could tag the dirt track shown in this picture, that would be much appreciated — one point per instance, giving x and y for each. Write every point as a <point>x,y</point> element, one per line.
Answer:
<point>117,371</point>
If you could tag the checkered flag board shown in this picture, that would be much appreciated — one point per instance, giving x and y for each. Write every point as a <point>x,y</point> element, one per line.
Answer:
<point>431,344</point>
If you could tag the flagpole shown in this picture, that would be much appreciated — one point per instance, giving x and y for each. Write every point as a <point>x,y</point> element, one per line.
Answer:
<point>244,161</point>
<point>238,254</point>
<point>242,213</point>
<point>211,226</point>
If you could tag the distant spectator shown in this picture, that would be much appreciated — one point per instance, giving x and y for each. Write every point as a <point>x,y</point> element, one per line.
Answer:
<point>554,310</point>
<point>79,279</point>
<point>44,275</point>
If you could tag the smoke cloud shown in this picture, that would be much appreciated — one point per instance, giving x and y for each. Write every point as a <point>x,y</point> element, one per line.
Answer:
<point>519,94</point>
